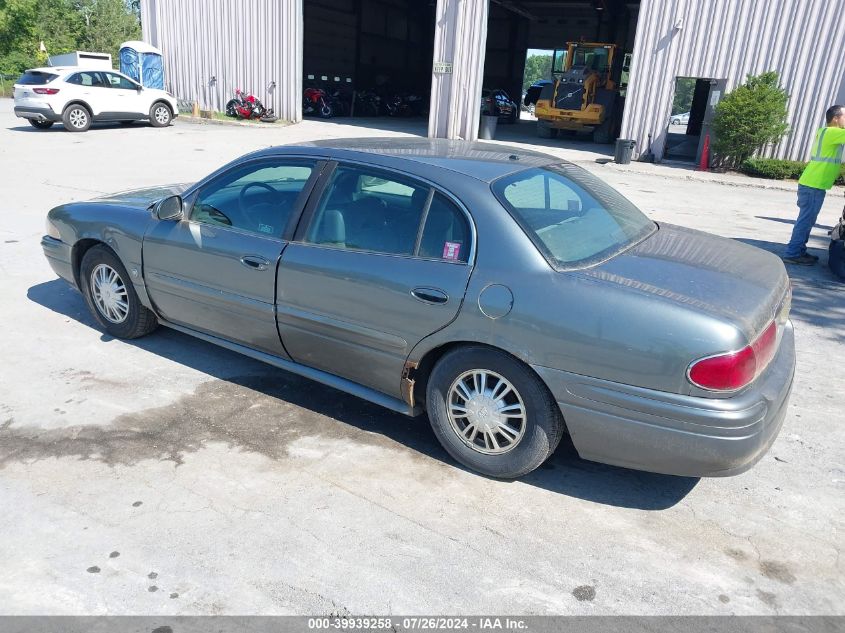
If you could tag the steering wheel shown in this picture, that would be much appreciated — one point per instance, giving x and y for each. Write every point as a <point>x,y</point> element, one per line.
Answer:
<point>242,203</point>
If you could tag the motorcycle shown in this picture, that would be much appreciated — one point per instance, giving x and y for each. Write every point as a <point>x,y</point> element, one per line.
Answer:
<point>404,105</point>
<point>315,102</point>
<point>367,103</point>
<point>246,106</point>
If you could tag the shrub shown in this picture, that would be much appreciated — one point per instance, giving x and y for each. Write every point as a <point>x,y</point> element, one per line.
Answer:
<point>750,117</point>
<point>772,168</point>
<point>778,169</point>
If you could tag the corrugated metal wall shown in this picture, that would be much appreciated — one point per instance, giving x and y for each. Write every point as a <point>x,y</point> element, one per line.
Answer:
<point>803,40</point>
<point>211,47</point>
<point>460,35</point>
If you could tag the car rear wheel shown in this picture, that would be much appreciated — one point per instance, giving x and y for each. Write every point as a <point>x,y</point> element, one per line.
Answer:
<point>160,115</point>
<point>111,297</point>
<point>40,125</point>
<point>491,412</point>
<point>76,118</point>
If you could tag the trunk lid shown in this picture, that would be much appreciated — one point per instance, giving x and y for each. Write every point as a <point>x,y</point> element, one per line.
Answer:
<point>728,279</point>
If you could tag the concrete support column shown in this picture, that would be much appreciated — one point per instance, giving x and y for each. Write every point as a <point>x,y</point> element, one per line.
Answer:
<point>460,37</point>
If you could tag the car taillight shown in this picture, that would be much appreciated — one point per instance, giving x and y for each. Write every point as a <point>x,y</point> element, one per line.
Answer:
<point>45,91</point>
<point>734,370</point>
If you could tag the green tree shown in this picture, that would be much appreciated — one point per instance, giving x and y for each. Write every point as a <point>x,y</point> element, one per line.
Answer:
<point>750,117</point>
<point>684,91</point>
<point>63,26</point>
<point>106,24</point>
<point>536,67</point>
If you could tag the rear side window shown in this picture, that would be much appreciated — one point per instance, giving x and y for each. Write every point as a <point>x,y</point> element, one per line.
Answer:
<point>87,79</point>
<point>36,78</point>
<point>574,218</point>
<point>369,210</point>
<point>446,234</point>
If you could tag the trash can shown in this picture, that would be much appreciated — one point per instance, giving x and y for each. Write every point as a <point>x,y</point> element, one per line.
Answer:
<point>624,150</point>
<point>487,128</point>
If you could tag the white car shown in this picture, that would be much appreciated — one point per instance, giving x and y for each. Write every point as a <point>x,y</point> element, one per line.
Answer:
<point>680,119</point>
<point>77,96</point>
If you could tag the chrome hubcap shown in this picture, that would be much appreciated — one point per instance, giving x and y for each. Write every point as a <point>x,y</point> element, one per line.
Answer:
<point>78,118</point>
<point>161,114</point>
<point>486,412</point>
<point>109,293</point>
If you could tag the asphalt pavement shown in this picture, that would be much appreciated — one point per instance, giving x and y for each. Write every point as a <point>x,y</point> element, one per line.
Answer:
<point>168,476</point>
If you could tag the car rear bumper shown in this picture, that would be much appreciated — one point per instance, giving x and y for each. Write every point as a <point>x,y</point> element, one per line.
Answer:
<point>39,113</point>
<point>58,255</point>
<point>675,434</point>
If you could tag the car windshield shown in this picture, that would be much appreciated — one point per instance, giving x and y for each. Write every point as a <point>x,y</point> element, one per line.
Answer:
<point>35,78</point>
<point>574,218</point>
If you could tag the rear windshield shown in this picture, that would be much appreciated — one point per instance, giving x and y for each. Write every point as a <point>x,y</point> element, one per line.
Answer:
<point>36,78</point>
<point>574,218</point>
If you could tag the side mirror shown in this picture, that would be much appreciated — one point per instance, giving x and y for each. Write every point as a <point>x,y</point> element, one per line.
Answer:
<point>169,208</point>
<point>139,88</point>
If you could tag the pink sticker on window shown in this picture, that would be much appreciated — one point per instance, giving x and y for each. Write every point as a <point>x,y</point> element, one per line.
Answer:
<point>451,250</point>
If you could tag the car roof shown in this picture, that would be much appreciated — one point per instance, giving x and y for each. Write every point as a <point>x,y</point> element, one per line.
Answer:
<point>482,161</point>
<point>57,70</point>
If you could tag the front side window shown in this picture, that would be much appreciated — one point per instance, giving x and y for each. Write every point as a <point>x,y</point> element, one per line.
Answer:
<point>118,81</point>
<point>258,197</point>
<point>368,210</point>
<point>574,218</point>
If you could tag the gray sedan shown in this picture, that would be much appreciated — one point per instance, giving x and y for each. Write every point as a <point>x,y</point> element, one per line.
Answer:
<point>510,295</point>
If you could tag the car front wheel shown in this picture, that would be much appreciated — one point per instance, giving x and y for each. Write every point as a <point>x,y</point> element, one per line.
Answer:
<point>160,115</point>
<point>110,296</point>
<point>76,118</point>
<point>491,412</point>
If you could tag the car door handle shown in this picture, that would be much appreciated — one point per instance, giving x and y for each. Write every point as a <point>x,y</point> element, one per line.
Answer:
<point>429,295</point>
<point>255,262</point>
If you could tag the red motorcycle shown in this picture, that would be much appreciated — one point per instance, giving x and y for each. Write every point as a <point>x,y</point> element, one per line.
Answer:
<point>246,106</point>
<point>315,102</point>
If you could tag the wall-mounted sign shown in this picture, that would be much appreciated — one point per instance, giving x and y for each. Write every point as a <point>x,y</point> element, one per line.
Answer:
<point>443,67</point>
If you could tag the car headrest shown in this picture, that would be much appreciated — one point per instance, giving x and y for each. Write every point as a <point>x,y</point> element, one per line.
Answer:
<point>332,228</point>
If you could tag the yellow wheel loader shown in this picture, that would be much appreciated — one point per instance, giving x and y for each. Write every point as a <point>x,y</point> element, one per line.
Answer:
<point>584,95</point>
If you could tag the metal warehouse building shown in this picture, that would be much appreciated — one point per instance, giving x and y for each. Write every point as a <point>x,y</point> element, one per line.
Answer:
<point>449,49</point>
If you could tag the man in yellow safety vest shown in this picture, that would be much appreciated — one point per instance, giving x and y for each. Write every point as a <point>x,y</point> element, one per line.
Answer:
<point>818,176</point>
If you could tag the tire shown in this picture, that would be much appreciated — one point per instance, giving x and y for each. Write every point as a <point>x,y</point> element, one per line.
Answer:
<point>232,108</point>
<point>532,438</point>
<point>676,122</point>
<point>130,320</point>
<point>514,117</point>
<point>76,118</point>
<point>545,131</point>
<point>326,111</point>
<point>603,132</point>
<point>40,125</point>
<point>160,115</point>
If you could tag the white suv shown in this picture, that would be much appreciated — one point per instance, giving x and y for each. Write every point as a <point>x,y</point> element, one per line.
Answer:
<point>77,96</point>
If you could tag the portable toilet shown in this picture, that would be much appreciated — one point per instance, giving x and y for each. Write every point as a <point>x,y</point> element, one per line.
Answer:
<point>143,63</point>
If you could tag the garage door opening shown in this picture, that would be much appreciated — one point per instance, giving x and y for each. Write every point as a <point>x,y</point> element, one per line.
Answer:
<point>689,122</point>
<point>368,62</point>
<point>517,28</point>
<point>536,74</point>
